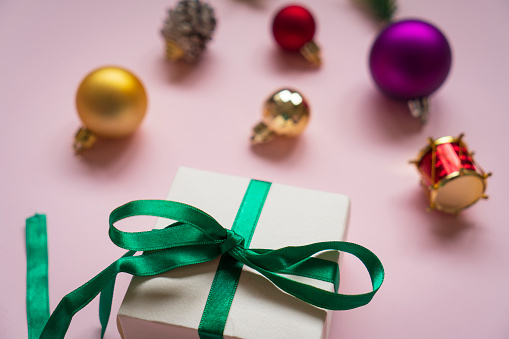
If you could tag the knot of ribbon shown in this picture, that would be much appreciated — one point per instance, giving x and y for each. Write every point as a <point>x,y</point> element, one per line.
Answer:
<point>233,240</point>
<point>195,237</point>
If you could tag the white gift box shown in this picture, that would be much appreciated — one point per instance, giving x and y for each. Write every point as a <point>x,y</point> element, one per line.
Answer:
<point>170,305</point>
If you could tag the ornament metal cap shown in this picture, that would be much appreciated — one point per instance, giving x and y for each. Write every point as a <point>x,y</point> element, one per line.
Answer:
<point>187,29</point>
<point>451,179</point>
<point>111,102</point>
<point>312,53</point>
<point>285,113</point>
<point>419,108</point>
<point>83,139</point>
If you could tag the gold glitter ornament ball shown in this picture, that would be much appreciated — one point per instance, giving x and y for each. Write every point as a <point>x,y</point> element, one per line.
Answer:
<point>285,113</point>
<point>111,103</point>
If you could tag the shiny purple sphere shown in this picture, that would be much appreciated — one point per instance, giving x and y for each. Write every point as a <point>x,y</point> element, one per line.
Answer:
<point>410,59</point>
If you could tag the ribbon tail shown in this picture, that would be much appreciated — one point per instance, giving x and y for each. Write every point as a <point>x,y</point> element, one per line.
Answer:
<point>60,319</point>
<point>106,299</point>
<point>37,296</point>
<point>147,264</point>
<point>39,322</point>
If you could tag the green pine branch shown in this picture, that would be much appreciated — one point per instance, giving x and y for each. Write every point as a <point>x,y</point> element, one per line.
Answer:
<point>383,10</point>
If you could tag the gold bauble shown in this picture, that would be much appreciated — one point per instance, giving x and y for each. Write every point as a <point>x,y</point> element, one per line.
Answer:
<point>111,103</point>
<point>285,113</point>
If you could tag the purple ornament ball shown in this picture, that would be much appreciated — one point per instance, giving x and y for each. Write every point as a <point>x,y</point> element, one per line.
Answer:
<point>410,59</point>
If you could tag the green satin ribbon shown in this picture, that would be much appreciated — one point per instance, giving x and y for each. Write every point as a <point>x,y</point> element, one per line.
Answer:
<point>37,298</point>
<point>228,271</point>
<point>196,237</point>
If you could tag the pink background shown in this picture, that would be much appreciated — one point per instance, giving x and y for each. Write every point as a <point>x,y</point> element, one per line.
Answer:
<point>447,277</point>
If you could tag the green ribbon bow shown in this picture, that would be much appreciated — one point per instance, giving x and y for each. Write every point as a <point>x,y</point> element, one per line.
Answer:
<point>195,238</point>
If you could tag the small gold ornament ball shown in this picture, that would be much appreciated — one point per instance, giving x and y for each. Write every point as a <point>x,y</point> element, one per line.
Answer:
<point>111,102</point>
<point>286,113</point>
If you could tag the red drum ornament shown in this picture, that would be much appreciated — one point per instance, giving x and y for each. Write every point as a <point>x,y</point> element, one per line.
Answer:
<point>452,180</point>
<point>293,29</point>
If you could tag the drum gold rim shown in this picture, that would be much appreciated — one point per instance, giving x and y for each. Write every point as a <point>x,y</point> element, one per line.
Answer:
<point>439,141</point>
<point>442,182</point>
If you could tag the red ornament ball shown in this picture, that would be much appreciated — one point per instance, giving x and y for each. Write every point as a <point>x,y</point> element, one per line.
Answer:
<point>293,27</point>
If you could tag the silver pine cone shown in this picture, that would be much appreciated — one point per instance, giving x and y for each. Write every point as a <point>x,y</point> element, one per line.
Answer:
<point>190,25</point>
